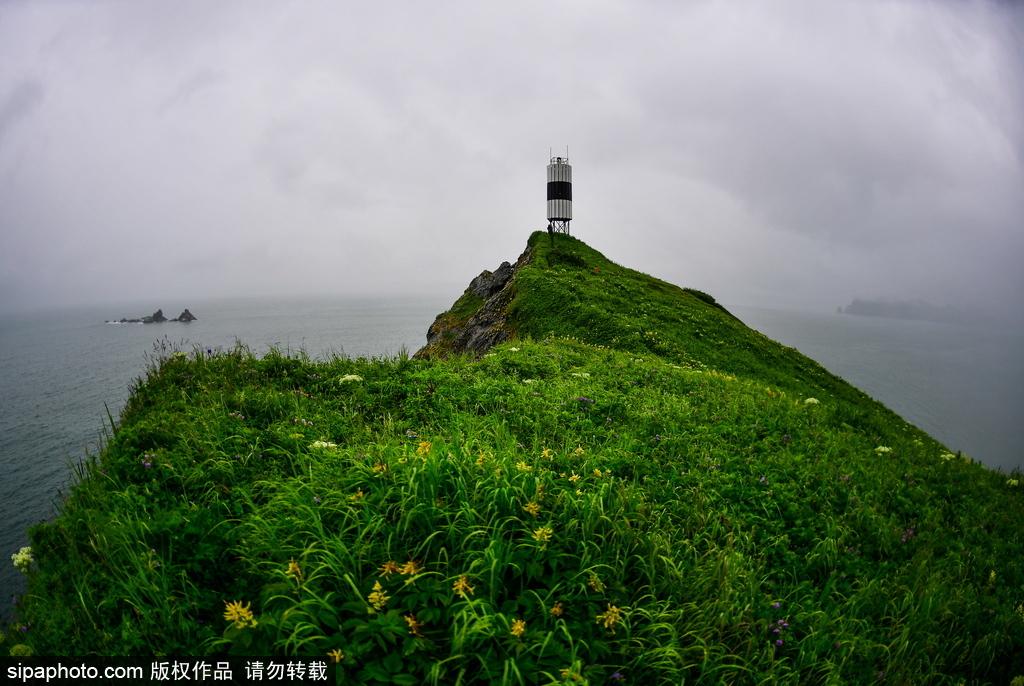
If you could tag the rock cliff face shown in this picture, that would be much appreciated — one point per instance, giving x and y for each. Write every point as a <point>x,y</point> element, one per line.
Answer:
<point>478,319</point>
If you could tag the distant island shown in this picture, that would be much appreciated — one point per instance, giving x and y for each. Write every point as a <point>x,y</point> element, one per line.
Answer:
<point>904,309</point>
<point>156,318</point>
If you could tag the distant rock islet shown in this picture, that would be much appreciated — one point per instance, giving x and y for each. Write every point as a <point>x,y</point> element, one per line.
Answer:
<point>156,318</point>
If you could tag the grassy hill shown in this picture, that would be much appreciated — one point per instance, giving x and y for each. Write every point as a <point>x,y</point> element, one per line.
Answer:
<point>633,488</point>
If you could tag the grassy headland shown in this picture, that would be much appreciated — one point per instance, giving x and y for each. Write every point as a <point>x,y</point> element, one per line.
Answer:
<point>635,487</point>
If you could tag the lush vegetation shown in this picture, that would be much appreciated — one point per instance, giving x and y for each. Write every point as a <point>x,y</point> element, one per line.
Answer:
<point>638,489</point>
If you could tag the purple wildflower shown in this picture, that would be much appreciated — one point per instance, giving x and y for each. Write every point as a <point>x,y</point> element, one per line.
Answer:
<point>776,605</point>
<point>617,676</point>
<point>779,642</point>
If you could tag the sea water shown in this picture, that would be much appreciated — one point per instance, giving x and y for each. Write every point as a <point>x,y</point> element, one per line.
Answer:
<point>60,371</point>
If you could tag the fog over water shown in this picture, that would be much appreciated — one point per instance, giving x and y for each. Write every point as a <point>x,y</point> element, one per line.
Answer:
<point>792,153</point>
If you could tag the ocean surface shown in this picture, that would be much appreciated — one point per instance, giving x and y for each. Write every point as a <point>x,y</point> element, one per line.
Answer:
<point>61,369</point>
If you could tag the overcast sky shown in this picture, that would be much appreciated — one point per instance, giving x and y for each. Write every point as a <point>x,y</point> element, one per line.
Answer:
<point>775,153</point>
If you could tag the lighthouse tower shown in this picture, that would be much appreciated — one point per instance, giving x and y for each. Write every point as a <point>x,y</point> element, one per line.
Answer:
<point>559,194</point>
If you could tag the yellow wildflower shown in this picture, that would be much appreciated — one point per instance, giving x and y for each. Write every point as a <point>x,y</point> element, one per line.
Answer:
<point>411,568</point>
<point>413,624</point>
<point>462,587</point>
<point>570,675</point>
<point>610,618</point>
<point>574,478</point>
<point>578,452</point>
<point>532,508</point>
<point>597,473</point>
<point>378,598</point>
<point>523,467</point>
<point>557,610</point>
<point>336,655</point>
<point>543,534</point>
<point>518,628</point>
<point>423,448</point>
<point>294,570</point>
<point>380,468</point>
<point>238,613</point>
<point>546,453</point>
<point>480,459</point>
<point>357,496</point>
<point>595,583</point>
<point>388,568</point>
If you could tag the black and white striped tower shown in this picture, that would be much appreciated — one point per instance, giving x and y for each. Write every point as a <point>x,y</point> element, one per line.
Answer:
<point>559,194</point>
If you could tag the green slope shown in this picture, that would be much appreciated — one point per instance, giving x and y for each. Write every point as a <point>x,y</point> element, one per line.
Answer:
<point>637,485</point>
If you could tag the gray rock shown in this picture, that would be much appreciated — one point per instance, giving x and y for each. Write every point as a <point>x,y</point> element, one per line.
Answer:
<point>488,326</point>
<point>488,283</point>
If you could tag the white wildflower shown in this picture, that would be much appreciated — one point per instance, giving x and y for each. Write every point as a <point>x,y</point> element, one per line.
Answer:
<point>326,445</point>
<point>22,559</point>
<point>811,401</point>
<point>883,449</point>
<point>584,375</point>
<point>513,350</point>
<point>349,378</point>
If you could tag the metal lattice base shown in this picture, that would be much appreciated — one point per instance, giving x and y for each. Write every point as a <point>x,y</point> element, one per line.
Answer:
<point>559,226</point>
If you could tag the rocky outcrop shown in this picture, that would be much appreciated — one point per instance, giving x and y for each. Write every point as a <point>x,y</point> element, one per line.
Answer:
<point>482,327</point>
<point>155,318</point>
<point>488,283</point>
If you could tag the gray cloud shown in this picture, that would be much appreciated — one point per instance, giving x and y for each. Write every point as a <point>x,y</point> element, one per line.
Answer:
<point>17,104</point>
<point>797,153</point>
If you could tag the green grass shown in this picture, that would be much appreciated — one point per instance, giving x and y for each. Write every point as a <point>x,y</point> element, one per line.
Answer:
<point>636,458</point>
